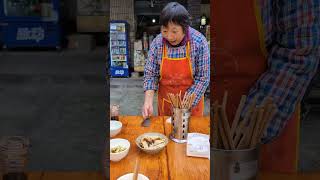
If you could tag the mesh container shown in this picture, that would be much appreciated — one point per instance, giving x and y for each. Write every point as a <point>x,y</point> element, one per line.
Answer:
<point>180,125</point>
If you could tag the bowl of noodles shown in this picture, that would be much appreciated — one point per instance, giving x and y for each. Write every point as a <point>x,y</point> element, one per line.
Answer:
<point>152,143</point>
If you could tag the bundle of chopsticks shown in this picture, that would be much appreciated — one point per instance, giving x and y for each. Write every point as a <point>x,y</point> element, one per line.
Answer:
<point>243,134</point>
<point>182,103</point>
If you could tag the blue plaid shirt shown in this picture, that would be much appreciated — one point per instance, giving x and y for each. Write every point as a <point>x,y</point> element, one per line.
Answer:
<point>200,58</point>
<point>292,37</point>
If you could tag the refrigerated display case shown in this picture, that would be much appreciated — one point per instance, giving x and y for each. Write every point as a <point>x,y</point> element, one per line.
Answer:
<point>30,23</point>
<point>1,23</point>
<point>119,49</point>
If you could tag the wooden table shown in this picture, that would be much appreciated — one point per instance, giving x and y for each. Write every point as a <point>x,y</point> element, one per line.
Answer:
<point>64,175</point>
<point>171,162</point>
<point>92,175</point>
<point>181,166</point>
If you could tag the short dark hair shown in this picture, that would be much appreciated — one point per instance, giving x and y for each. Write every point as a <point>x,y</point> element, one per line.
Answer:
<point>176,13</point>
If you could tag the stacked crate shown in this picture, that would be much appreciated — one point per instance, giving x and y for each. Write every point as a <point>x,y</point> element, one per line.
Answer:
<point>92,15</point>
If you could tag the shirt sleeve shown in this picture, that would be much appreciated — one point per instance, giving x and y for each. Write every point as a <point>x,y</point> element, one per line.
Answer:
<point>202,72</point>
<point>152,68</point>
<point>292,61</point>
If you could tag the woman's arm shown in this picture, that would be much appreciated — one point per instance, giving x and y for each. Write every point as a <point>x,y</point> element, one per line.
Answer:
<point>151,68</point>
<point>292,60</point>
<point>202,72</point>
<point>151,79</point>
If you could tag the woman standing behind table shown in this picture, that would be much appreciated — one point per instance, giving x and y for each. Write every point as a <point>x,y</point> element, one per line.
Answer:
<point>178,60</point>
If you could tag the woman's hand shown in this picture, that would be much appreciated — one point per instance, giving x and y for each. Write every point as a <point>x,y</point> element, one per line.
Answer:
<point>147,109</point>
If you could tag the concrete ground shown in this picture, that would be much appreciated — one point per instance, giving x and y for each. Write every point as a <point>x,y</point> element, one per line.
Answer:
<point>58,100</point>
<point>128,93</point>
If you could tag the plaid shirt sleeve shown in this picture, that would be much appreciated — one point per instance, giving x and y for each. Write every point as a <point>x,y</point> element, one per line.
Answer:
<point>202,71</point>
<point>152,67</point>
<point>293,39</point>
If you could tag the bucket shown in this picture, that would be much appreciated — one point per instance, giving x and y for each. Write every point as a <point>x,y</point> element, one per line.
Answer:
<point>180,125</point>
<point>235,164</point>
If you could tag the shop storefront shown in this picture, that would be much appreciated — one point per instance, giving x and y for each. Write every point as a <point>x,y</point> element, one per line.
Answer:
<point>143,21</point>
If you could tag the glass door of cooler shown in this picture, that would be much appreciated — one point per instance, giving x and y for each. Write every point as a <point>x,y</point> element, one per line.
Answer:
<point>31,9</point>
<point>119,53</point>
<point>118,49</point>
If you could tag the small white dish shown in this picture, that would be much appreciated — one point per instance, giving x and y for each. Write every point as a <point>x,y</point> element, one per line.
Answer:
<point>115,128</point>
<point>130,177</point>
<point>120,155</point>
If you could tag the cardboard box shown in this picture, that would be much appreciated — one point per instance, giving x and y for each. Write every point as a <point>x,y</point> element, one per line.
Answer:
<point>93,7</point>
<point>92,23</point>
<point>81,42</point>
<point>139,56</point>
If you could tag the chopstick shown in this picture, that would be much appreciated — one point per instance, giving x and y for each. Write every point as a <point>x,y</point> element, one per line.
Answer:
<point>222,132</point>
<point>255,139</point>
<point>237,116</point>
<point>216,139</point>
<point>251,126</point>
<point>136,169</point>
<point>246,133</point>
<point>179,100</point>
<point>243,123</point>
<point>266,120</point>
<point>225,121</point>
<point>185,102</point>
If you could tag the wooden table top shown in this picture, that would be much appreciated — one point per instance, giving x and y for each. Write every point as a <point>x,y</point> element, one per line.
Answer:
<point>162,165</point>
<point>169,162</point>
<point>94,175</point>
<point>152,166</point>
<point>172,161</point>
<point>182,166</point>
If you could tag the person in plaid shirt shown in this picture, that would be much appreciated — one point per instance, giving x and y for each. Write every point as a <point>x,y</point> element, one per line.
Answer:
<point>292,39</point>
<point>178,60</point>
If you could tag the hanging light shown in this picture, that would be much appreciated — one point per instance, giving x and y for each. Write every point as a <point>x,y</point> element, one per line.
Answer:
<point>153,20</point>
<point>203,21</point>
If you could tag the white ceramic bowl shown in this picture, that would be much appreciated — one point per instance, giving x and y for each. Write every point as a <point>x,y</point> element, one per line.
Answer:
<point>152,151</point>
<point>115,128</point>
<point>130,177</point>
<point>118,156</point>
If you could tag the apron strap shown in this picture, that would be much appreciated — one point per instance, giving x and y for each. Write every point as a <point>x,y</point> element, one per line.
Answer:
<point>164,53</point>
<point>188,49</point>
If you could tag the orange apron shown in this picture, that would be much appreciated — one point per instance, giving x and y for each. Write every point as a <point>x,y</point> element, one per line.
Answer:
<point>175,76</point>
<point>240,57</point>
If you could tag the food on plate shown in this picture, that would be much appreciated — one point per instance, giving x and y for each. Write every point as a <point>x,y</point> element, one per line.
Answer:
<point>118,149</point>
<point>151,142</point>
